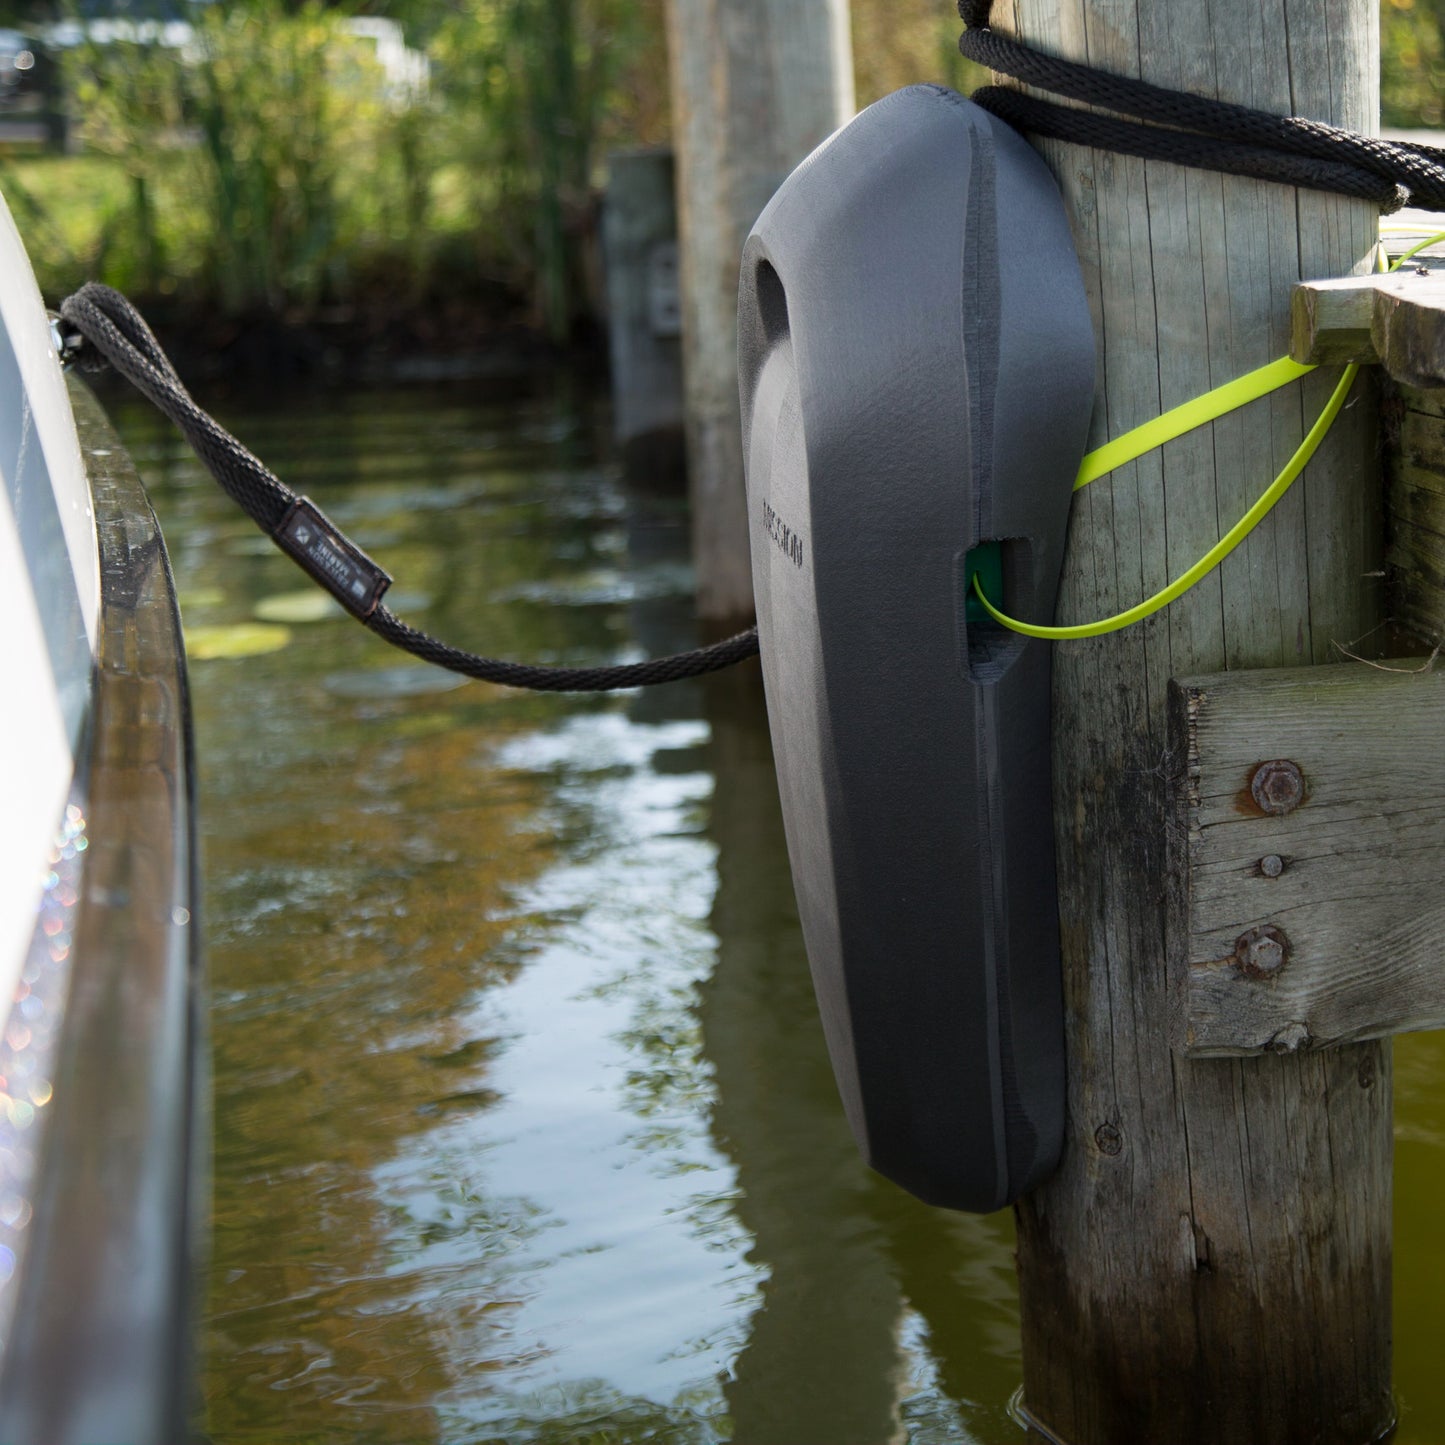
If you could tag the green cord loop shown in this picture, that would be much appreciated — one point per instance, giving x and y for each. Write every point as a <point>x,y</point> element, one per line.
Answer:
<point>1212,558</point>
<point>1175,423</point>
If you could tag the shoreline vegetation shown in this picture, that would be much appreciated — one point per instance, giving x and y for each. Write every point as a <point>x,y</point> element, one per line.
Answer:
<point>273,198</point>
<point>282,195</point>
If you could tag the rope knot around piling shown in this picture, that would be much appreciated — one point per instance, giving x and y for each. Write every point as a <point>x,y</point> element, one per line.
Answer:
<point>1154,122</point>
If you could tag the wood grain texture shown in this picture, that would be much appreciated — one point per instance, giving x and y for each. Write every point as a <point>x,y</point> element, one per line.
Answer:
<point>1349,879</point>
<point>1212,1261</point>
<point>756,86</point>
<point>1330,321</point>
<point>1415,511</point>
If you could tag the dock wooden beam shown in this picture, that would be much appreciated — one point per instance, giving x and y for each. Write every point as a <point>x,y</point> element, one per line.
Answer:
<point>639,241</point>
<point>1212,1260</point>
<point>1308,849</point>
<point>1393,320</point>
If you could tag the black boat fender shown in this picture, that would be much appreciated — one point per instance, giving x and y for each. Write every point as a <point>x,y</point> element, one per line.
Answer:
<point>916,365</point>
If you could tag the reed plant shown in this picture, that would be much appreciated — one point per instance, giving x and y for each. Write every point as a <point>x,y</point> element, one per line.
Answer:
<point>905,42</point>
<point>131,112</point>
<point>530,87</point>
<point>274,131</point>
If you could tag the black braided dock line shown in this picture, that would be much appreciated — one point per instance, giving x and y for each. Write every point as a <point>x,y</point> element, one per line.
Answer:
<point>119,333</point>
<point>674,668</point>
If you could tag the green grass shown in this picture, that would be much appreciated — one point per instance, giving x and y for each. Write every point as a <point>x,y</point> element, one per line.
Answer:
<point>78,217</point>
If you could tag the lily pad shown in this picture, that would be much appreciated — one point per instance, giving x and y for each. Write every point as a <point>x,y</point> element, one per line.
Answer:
<point>237,639</point>
<point>308,605</point>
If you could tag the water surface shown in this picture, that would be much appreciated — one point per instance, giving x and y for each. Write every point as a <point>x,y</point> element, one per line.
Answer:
<point>524,1126</point>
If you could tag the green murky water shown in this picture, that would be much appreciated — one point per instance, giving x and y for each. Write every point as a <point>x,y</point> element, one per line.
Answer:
<point>524,1127</point>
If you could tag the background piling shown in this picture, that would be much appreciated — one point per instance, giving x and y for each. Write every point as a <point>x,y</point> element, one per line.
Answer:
<point>644,325</point>
<point>756,85</point>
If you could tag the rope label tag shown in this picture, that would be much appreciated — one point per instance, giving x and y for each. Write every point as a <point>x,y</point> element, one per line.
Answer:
<point>331,559</point>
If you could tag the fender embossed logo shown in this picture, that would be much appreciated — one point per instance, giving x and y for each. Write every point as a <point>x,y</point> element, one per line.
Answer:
<point>785,539</point>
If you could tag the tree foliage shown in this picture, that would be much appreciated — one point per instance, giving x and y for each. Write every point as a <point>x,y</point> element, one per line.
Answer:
<point>1412,63</point>
<point>531,90</point>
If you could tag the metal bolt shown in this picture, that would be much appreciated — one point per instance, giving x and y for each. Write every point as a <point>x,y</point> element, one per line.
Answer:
<point>1278,787</point>
<point>1109,1139</point>
<point>1366,1073</point>
<point>1261,952</point>
<point>1272,866</point>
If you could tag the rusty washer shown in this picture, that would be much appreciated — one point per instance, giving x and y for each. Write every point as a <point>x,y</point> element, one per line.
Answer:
<point>1261,952</point>
<point>1278,787</point>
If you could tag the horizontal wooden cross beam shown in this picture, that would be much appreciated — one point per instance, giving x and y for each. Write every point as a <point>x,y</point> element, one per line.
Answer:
<point>1397,320</point>
<point>1307,857</point>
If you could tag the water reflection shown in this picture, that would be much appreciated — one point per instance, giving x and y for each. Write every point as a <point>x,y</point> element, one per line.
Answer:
<point>881,1319</point>
<point>525,1126</point>
<point>830,1295</point>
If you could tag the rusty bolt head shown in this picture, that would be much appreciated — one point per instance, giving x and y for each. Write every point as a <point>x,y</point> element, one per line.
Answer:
<point>1261,952</point>
<point>1278,787</point>
<point>1109,1139</point>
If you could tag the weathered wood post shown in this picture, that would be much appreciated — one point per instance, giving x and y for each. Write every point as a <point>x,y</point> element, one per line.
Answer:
<point>756,85</point>
<point>639,242</point>
<point>1212,1262</point>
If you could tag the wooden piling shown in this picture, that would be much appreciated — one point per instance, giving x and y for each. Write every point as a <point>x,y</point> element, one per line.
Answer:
<point>639,239</point>
<point>756,85</point>
<point>1212,1262</point>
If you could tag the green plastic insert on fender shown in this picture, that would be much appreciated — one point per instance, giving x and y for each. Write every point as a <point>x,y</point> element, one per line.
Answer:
<point>984,562</point>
